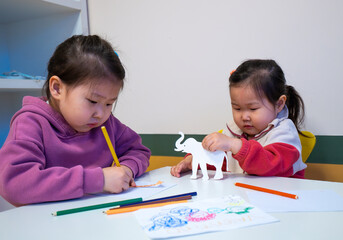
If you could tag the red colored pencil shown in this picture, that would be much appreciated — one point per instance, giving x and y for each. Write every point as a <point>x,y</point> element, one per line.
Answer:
<point>266,190</point>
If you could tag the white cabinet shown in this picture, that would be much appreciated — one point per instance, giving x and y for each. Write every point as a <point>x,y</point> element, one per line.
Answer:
<point>30,30</point>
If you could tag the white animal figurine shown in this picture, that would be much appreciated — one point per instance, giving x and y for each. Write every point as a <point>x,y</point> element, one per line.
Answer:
<point>201,156</point>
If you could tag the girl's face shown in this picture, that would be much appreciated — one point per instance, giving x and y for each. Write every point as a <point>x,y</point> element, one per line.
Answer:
<point>85,106</point>
<point>251,113</point>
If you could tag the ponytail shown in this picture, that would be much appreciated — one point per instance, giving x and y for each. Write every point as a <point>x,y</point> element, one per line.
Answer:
<point>295,106</point>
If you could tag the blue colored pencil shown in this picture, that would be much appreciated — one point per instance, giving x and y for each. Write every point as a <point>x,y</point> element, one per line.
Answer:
<point>158,199</point>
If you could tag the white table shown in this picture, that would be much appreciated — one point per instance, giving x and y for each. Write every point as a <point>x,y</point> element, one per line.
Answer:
<point>36,221</point>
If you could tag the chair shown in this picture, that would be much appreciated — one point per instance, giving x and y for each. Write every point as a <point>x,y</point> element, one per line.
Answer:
<point>308,140</point>
<point>163,161</point>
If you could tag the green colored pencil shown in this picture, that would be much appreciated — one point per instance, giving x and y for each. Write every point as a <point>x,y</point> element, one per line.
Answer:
<point>97,206</point>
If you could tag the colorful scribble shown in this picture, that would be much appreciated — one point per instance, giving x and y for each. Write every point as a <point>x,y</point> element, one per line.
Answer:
<point>215,214</point>
<point>166,221</point>
<point>230,209</point>
<point>180,216</point>
<point>183,211</point>
<point>234,200</point>
<point>201,216</point>
<point>238,209</point>
<point>215,210</point>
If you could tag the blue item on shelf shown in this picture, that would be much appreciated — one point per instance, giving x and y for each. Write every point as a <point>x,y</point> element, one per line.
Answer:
<point>19,75</point>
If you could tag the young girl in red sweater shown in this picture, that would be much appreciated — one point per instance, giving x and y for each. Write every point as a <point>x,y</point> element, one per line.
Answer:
<point>263,138</point>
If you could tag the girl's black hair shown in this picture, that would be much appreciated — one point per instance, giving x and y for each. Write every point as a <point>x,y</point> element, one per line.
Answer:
<point>84,58</point>
<point>267,79</point>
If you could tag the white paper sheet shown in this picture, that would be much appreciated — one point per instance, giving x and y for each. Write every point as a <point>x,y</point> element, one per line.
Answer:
<point>200,216</point>
<point>143,192</point>
<point>309,201</point>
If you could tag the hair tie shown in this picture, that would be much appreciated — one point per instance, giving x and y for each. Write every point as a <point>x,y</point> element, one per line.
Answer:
<point>232,71</point>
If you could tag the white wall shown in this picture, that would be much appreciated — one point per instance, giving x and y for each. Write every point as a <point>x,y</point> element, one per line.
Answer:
<point>179,53</point>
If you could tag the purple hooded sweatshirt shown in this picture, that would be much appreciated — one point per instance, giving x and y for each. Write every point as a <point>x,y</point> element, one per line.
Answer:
<point>45,159</point>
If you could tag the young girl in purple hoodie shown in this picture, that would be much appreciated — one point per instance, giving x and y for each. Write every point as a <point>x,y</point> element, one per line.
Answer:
<point>55,149</point>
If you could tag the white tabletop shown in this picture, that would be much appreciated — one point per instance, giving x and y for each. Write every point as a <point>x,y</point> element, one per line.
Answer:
<point>36,221</point>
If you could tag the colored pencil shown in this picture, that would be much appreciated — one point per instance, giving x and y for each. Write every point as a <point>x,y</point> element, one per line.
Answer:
<point>135,208</point>
<point>169,198</point>
<point>153,202</point>
<point>266,190</point>
<point>110,146</point>
<point>97,206</point>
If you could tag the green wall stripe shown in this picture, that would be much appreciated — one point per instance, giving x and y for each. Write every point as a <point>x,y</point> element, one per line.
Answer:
<point>328,149</point>
<point>164,144</point>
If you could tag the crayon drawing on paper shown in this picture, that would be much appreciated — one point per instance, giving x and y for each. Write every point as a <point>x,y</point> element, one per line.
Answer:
<point>201,216</point>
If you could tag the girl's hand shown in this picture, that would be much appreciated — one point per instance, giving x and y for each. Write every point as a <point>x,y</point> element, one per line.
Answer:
<point>117,179</point>
<point>218,141</point>
<point>183,166</point>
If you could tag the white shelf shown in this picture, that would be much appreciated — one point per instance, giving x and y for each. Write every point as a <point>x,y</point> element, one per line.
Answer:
<point>30,31</point>
<point>20,84</point>
<point>21,10</point>
<point>26,27</point>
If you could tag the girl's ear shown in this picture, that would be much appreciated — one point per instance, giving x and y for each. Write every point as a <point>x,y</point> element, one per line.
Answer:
<point>281,103</point>
<point>55,86</point>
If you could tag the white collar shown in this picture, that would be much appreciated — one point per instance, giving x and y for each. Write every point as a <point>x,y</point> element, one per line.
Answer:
<point>236,131</point>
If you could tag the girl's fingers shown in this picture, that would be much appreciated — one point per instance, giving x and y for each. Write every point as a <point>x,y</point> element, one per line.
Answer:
<point>175,171</point>
<point>132,183</point>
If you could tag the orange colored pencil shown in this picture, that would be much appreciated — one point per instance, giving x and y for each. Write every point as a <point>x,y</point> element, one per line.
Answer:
<point>187,197</point>
<point>266,190</point>
<point>135,208</point>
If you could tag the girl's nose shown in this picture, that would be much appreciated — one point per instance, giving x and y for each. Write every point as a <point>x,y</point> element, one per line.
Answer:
<point>99,112</point>
<point>245,116</point>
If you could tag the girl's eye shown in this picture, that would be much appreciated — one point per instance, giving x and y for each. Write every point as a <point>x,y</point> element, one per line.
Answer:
<point>253,109</point>
<point>91,101</point>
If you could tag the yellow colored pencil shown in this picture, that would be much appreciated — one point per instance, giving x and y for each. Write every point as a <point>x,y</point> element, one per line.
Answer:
<point>110,146</point>
<point>135,208</point>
